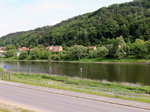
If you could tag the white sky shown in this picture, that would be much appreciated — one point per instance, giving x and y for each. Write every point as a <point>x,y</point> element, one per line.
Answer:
<point>21,15</point>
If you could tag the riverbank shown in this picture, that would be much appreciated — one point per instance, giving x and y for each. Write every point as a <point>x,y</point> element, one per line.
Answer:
<point>126,60</point>
<point>8,59</point>
<point>102,88</point>
<point>86,60</point>
<point>106,61</point>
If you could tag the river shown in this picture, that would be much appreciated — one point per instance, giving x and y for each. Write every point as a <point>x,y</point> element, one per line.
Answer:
<point>130,73</point>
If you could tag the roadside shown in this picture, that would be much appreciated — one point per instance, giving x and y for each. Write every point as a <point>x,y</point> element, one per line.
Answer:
<point>80,95</point>
<point>5,107</point>
<point>95,87</point>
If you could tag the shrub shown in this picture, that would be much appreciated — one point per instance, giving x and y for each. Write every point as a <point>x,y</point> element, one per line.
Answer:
<point>56,78</point>
<point>1,70</point>
<point>10,53</point>
<point>23,55</point>
<point>100,52</point>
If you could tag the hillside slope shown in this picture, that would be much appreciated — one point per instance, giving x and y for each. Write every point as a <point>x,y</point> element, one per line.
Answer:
<point>131,20</point>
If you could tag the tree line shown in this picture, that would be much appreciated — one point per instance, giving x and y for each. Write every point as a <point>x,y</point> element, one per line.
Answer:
<point>115,48</point>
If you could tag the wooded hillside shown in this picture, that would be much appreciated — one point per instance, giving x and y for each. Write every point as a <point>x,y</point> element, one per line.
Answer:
<point>130,20</point>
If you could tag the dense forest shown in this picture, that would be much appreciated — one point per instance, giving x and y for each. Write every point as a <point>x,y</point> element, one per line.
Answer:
<point>130,20</point>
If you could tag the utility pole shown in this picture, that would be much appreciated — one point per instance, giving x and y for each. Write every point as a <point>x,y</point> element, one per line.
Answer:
<point>81,71</point>
<point>50,70</point>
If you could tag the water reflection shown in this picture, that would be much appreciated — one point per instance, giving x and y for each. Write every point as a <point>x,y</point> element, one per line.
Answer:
<point>132,73</point>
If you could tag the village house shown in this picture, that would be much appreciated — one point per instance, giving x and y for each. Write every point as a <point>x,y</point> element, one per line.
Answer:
<point>2,51</point>
<point>54,48</point>
<point>21,50</point>
<point>93,47</point>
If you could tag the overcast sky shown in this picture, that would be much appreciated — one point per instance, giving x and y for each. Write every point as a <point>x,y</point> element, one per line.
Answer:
<point>21,15</point>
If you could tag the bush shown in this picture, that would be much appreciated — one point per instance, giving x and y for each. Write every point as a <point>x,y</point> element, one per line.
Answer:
<point>1,70</point>
<point>100,52</point>
<point>10,47</point>
<point>35,53</point>
<point>78,52</point>
<point>139,49</point>
<point>23,55</point>
<point>117,48</point>
<point>10,53</point>
<point>55,57</point>
<point>44,54</point>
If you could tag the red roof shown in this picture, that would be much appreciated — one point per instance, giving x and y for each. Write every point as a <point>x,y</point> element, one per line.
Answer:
<point>23,49</point>
<point>2,48</point>
<point>92,47</point>
<point>53,48</point>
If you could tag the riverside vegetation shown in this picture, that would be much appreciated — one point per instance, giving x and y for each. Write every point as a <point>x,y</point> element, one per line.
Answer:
<point>116,49</point>
<point>96,87</point>
<point>120,31</point>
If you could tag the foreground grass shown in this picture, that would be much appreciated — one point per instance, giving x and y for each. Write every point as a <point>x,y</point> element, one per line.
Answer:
<point>109,89</point>
<point>4,110</point>
<point>8,108</point>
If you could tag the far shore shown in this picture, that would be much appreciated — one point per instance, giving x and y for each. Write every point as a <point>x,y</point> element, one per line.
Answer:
<point>103,61</point>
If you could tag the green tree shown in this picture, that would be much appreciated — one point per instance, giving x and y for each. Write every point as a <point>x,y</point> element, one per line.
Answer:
<point>99,52</point>
<point>44,54</point>
<point>148,45</point>
<point>10,47</point>
<point>139,49</point>
<point>124,31</point>
<point>35,53</point>
<point>121,51</point>
<point>117,48</point>
<point>78,52</point>
<point>55,57</point>
<point>10,53</point>
<point>23,55</point>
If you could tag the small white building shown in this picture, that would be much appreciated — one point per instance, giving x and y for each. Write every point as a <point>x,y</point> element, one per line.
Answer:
<point>93,47</point>
<point>2,51</point>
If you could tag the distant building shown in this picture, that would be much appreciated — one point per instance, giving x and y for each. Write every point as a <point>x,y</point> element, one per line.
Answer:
<point>23,49</point>
<point>48,48</point>
<point>2,51</point>
<point>93,47</point>
<point>54,48</point>
<point>18,53</point>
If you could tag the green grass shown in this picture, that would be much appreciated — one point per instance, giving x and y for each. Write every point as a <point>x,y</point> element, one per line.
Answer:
<point>4,110</point>
<point>8,108</point>
<point>128,60</point>
<point>14,110</point>
<point>111,60</point>
<point>109,89</point>
<point>8,59</point>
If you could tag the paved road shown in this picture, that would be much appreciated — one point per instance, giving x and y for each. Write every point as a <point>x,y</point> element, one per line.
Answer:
<point>58,103</point>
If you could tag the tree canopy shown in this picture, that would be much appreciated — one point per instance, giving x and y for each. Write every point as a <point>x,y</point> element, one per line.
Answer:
<point>130,20</point>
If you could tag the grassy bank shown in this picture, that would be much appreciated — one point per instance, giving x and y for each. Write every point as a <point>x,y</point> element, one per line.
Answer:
<point>126,60</point>
<point>84,60</point>
<point>8,59</point>
<point>109,89</point>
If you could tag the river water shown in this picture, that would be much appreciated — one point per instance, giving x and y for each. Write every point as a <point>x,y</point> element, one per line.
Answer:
<point>130,73</point>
